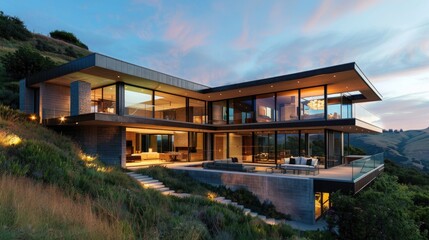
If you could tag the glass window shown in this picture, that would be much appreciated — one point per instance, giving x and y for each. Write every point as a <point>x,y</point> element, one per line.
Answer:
<point>264,147</point>
<point>287,106</point>
<point>219,146</point>
<point>138,102</point>
<point>313,103</point>
<point>335,149</point>
<point>197,111</point>
<point>170,107</point>
<point>219,112</point>
<point>265,108</point>
<point>196,146</point>
<point>240,146</point>
<point>103,99</point>
<point>241,110</point>
<point>287,144</point>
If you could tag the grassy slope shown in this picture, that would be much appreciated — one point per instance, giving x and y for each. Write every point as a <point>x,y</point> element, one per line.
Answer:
<point>407,148</point>
<point>32,151</point>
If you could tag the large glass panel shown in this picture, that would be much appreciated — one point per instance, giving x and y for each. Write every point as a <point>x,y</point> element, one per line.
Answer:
<point>219,146</point>
<point>104,99</point>
<point>265,108</point>
<point>219,112</point>
<point>335,149</point>
<point>313,103</point>
<point>264,145</point>
<point>240,146</point>
<point>241,110</point>
<point>138,101</point>
<point>287,106</point>
<point>287,144</point>
<point>197,111</point>
<point>334,106</point>
<point>170,107</point>
<point>314,144</point>
<point>196,146</point>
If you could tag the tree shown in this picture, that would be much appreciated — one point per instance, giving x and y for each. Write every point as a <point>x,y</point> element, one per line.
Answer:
<point>25,62</point>
<point>13,28</point>
<point>384,211</point>
<point>67,37</point>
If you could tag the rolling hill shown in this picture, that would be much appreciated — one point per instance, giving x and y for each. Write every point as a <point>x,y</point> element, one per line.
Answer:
<point>408,148</point>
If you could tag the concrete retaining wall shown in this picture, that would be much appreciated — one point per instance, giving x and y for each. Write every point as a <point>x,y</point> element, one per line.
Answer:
<point>290,195</point>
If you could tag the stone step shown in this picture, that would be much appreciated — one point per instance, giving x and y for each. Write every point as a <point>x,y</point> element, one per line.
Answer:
<point>148,181</point>
<point>240,206</point>
<point>225,201</point>
<point>233,204</point>
<point>262,217</point>
<point>153,185</point>
<point>142,177</point>
<point>246,211</point>
<point>253,214</point>
<point>161,189</point>
<point>167,192</point>
<point>271,221</point>
<point>218,199</point>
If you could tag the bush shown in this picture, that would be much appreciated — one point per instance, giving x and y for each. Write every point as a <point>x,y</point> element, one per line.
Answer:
<point>43,46</point>
<point>13,28</point>
<point>25,62</point>
<point>67,37</point>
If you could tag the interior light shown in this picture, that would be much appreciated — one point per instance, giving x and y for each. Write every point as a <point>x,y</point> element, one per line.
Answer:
<point>239,90</point>
<point>77,123</point>
<point>272,86</point>
<point>220,94</point>
<point>208,96</point>
<point>119,76</point>
<point>62,119</point>
<point>335,75</point>
<point>298,82</point>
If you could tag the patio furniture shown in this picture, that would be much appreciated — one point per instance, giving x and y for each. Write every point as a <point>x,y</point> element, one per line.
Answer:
<point>228,165</point>
<point>301,163</point>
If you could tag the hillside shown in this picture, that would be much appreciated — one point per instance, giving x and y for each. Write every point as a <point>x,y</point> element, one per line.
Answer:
<point>409,148</point>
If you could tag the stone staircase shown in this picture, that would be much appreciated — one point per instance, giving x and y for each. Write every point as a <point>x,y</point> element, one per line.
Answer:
<point>149,182</point>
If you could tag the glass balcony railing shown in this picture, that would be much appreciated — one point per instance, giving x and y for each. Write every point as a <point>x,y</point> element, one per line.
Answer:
<point>362,114</point>
<point>366,164</point>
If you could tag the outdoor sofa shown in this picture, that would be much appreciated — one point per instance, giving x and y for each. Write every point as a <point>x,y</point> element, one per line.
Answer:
<point>228,165</point>
<point>301,163</point>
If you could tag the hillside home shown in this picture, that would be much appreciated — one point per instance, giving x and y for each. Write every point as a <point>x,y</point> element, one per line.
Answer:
<point>125,113</point>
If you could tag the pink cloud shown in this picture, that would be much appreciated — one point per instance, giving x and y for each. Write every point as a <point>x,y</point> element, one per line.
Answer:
<point>330,10</point>
<point>185,34</point>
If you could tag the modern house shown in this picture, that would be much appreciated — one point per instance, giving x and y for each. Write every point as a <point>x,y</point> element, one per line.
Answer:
<point>118,110</point>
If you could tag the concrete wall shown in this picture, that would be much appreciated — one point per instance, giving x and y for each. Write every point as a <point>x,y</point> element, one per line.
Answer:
<point>107,142</point>
<point>26,97</point>
<point>290,195</point>
<point>54,101</point>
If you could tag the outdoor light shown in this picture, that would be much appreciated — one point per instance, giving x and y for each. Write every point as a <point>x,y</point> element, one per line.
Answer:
<point>33,117</point>
<point>62,119</point>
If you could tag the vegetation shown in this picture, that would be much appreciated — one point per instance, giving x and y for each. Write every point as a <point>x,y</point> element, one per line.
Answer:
<point>34,152</point>
<point>182,182</point>
<point>13,28</point>
<point>32,210</point>
<point>67,37</point>
<point>395,206</point>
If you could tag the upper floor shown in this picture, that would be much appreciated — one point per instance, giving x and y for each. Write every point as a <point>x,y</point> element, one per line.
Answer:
<point>100,84</point>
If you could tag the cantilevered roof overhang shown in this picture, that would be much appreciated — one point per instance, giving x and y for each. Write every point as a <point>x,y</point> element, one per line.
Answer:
<point>100,70</point>
<point>351,125</point>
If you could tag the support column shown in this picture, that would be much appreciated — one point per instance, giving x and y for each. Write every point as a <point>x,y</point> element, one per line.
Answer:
<point>80,98</point>
<point>120,98</point>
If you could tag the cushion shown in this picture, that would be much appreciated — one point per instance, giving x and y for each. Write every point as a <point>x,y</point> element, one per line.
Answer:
<point>234,159</point>
<point>308,162</point>
<point>292,161</point>
<point>314,162</point>
<point>286,160</point>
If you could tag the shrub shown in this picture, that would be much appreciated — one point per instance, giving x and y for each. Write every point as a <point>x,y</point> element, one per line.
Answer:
<point>13,28</point>
<point>25,62</point>
<point>67,37</point>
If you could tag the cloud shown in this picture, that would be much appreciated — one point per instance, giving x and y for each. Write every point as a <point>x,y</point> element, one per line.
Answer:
<point>330,10</point>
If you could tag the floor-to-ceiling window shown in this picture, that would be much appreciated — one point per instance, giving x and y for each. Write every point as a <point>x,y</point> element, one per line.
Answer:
<point>219,112</point>
<point>287,105</point>
<point>197,111</point>
<point>104,99</point>
<point>241,110</point>
<point>138,101</point>
<point>265,107</point>
<point>335,149</point>
<point>264,147</point>
<point>313,103</point>
<point>219,146</point>
<point>170,107</point>
<point>240,146</point>
<point>196,146</point>
<point>287,144</point>
<point>321,203</point>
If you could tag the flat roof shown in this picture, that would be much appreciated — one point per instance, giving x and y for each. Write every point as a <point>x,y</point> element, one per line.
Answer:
<point>100,70</point>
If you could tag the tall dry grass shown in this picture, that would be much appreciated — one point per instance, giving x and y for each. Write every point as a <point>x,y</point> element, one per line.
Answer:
<point>33,210</point>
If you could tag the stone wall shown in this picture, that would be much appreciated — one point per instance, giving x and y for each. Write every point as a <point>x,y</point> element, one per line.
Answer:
<point>290,195</point>
<point>54,100</point>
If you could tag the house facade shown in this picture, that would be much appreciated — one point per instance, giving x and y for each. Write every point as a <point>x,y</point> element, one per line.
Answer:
<point>118,110</point>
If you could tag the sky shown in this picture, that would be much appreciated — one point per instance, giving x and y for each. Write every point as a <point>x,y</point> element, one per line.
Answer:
<point>222,42</point>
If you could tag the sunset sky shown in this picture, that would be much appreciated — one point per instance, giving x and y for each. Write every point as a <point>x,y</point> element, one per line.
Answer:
<point>222,42</point>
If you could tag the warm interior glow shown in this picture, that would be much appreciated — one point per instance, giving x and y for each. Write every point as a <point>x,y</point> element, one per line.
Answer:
<point>316,104</point>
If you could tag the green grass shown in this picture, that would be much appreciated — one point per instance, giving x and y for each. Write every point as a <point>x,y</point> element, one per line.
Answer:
<point>31,151</point>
